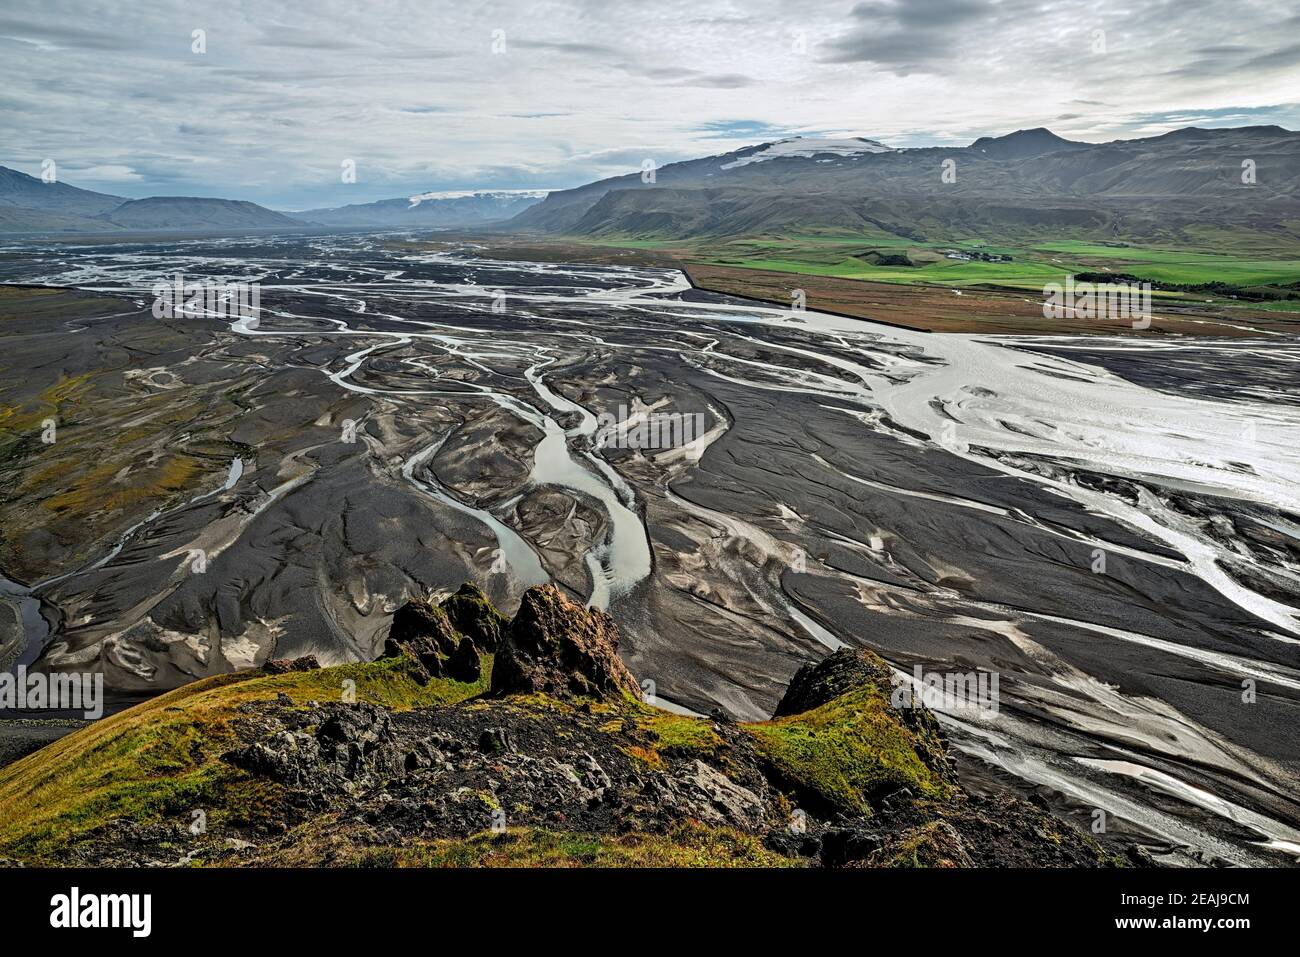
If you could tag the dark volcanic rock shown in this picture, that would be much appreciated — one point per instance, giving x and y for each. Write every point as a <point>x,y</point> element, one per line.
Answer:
<point>335,748</point>
<point>359,780</point>
<point>814,685</point>
<point>558,647</point>
<point>470,613</point>
<point>279,666</point>
<point>464,663</point>
<point>422,630</point>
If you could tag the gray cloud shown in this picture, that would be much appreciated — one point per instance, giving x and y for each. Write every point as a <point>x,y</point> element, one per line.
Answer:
<point>908,36</point>
<point>412,92</point>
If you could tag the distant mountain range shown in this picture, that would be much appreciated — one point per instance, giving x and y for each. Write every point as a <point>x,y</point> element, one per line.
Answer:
<point>29,205</point>
<point>1030,182</point>
<point>430,209</point>
<point>1027,182</point>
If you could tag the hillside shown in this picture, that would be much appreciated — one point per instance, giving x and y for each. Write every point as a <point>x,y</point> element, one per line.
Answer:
<point>29,192</point>
<point>188,212</point>
<point>28,205</point>
<point>481,741</point>
<point>1030,182</point>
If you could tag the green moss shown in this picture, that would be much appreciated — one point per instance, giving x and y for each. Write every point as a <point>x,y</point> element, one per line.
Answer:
<point>161,759</point>
<point>679,734</point>
<point>852,749</point>
<point>472,614</point>
<point>924,846</point>
<point>688,845</point>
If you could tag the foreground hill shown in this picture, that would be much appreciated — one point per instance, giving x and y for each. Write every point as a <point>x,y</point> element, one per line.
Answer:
<point>480,741</point>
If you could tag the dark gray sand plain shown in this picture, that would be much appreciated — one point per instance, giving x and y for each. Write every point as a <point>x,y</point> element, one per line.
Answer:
<point>1088,520</point>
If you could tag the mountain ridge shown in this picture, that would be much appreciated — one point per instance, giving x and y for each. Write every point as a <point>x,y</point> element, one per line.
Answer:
<point>1029,176</point>
<point>29,204</point>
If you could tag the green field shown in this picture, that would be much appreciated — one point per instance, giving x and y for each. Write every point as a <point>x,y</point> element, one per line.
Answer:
<point>1241,263</point>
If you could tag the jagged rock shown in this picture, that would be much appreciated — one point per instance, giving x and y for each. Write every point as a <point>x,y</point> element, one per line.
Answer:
<point>353,746</point>
<point>493,740</point>
<point>593,775</point>
<point>814,685</point>
<point>422,630</point>
<point>843,845</point>
<point>464,663</point>
<point>558,647</point>
<point>279,666</point>
<point>1139,856</point>
<point>471,614</point>
<point>936,844</point>
<point>716,799</point>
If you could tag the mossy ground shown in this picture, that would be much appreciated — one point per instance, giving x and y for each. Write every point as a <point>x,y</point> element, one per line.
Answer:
<point>688,845</point>
<point>158,762</point>
<point>162,758</point>
<point>664,733</point>
<point>849,750</point>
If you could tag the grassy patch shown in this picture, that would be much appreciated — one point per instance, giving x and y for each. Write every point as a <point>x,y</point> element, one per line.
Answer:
<point>688,845</point>
<point>1215,257</point>
<point>678,734</point>
<point>850,750</point>
<point>162,758</point>
<point>54,402</point>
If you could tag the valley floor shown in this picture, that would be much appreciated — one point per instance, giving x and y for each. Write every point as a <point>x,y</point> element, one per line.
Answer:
<point>948,297</point>
<point>1109,524</point>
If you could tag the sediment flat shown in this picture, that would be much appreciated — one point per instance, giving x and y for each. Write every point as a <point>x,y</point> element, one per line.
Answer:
<point>942,500</point>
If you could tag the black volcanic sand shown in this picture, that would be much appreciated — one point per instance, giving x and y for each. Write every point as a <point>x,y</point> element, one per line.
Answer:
<point>804,498</point>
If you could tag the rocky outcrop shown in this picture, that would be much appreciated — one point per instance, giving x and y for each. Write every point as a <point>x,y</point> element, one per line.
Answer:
<point>280,666</point>
<point>423,631</point>
<point>840,742</point>
<point>471,614</point>
<point>557,647</point>
<point>819,683</point>
<point>324,750</point>
<point>560,748</point>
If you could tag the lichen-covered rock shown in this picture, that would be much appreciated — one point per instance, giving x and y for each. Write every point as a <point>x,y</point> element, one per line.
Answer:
<point>936,844</point>
<point>471,614</point>
<point>464,663</point>
<point>556,646</point>
<point>818,683</point>
<point>334,748</point>
<point>838,740</point>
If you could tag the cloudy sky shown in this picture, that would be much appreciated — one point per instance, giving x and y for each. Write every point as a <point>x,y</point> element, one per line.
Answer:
<point>436,95</point>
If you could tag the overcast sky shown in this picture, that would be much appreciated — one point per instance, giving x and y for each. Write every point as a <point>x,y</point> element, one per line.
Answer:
<point>415,95</point>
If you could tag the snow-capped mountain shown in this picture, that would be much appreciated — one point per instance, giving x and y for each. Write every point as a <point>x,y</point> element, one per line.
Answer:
<point>811,148</point>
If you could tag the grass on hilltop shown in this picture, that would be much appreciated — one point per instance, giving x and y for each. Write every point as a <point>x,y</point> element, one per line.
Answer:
<point>162,758</point>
